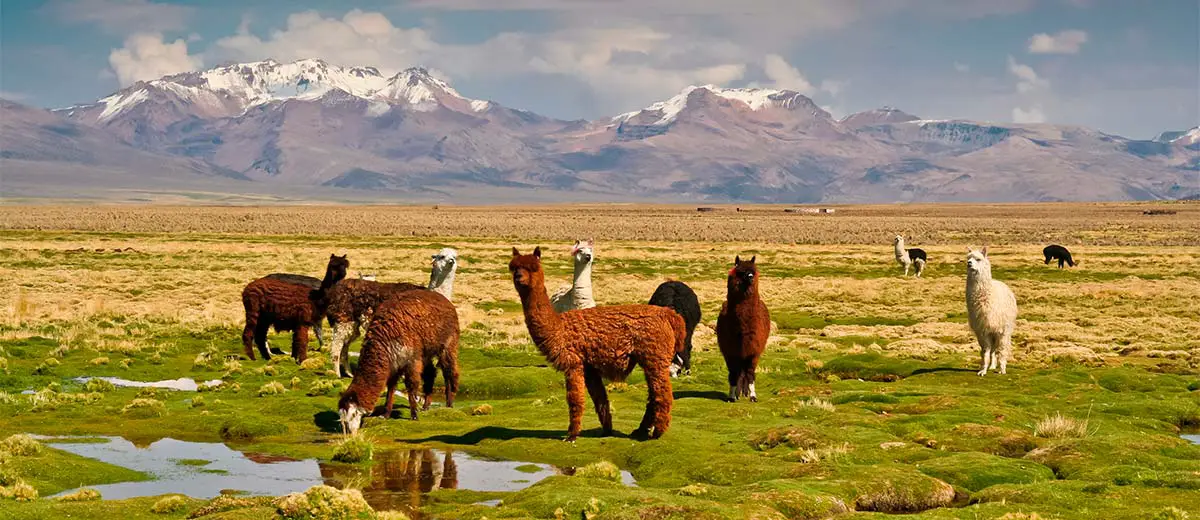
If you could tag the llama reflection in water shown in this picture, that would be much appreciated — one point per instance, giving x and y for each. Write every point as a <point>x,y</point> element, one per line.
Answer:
<point>399,478</point>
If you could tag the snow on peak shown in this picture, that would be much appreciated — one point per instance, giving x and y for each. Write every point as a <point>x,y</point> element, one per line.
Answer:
<point>754,98</point>
<point>1188,138</point>
<point>247,85</point>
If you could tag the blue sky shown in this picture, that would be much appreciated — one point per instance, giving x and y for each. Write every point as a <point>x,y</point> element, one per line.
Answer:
<point>1121,66</point>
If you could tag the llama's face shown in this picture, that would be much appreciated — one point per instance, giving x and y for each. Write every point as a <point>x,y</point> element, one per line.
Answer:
<point>351,417</point>
<point>977,261</point>
<point>582,251</point>
<point>338,266</point>
<point>898,240</point>
<point>744,274</point>
<point>524,267</point>
<point>445,260</point>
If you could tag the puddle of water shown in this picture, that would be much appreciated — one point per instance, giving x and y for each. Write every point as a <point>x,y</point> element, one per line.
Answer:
<point>489,503</point>
<point>1193,438</point>
<point>185,384</point>
<point>227,469</point>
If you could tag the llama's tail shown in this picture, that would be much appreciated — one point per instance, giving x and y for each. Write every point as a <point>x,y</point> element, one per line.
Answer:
<point>681,332</point>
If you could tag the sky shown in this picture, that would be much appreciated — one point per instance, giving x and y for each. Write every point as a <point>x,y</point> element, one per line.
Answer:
<point>1120,66</point>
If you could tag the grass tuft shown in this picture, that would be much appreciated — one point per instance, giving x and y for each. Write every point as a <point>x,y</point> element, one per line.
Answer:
<point>354,449</point>
<point>83,495</point>
<point>1059,426</point>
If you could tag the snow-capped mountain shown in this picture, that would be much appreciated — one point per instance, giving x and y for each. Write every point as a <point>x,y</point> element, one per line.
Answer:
<point>310,123</point>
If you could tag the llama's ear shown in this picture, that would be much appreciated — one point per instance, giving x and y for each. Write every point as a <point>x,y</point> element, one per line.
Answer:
<point>984,251</point>
<point>752,259</point>
<point>515,252</point>
<point>591,242</point>
<point>537,252</point>
<point>737,259</point>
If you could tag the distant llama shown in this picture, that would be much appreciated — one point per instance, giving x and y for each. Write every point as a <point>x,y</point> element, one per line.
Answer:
<point>1060,253</point>
<point>350,303</point>
<point>991,311</point>
<point>286,306</point>
<point>910,257</point>
<point>408,332</point>
<point>579,294</point>
<point>314,284</point>
<point>592,345</point>
<point>682,299</point>
<point>743,328</point>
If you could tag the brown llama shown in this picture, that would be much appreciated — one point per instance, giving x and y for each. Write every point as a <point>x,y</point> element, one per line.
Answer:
<point>270,302</point>
<point>742,328</point>
<point>602,343</point>
<point>407,332</point>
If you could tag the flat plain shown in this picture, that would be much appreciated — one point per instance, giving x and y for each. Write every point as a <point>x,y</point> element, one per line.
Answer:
<point>869,402</point>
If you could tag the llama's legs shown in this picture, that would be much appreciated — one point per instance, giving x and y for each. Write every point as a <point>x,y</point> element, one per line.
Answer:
<point>1005,351</point>
<point>449,364</point>
<point>658,403</point>
<point>595,388</point>
<point>392,380</point>
<point>735,373</point>
<point>300,344</point>
<point>317,331</point>
<point>354,334</point>
<point>575,401</point>
<point>906,265</point>
<point>984,351</point>
<point>428,377</point>
<point>248,339</point>
<point>748,374</point>
<point>260,339</point>
<point>412,385</point>
<point>338,350</point>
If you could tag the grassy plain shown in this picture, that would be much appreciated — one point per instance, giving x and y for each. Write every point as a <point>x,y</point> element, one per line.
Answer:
<point>869,401</point>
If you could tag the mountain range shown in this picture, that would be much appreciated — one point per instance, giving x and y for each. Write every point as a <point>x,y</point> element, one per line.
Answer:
<point>322,131</point>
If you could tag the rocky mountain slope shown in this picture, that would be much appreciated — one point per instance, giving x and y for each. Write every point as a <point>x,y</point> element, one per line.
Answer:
<point>312,124</point>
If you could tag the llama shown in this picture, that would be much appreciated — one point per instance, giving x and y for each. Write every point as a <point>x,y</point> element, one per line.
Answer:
<point>910,257</point>
<point>991,311</point>
<point>312,283</point>
<point>350,304</point>
<point>1060,253</point>
<point>682,299</point>
<point>592,345</point>
<point>743,328</point>
<point>579,294</point>
<point>407,333</point>
<point>286,306</point>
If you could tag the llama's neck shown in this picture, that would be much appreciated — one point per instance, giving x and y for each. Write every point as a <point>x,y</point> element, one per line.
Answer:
<point>736,297</point>
<point>581,287</point>
<point>374,367</point>
<point>543,323</point>
<point>901,254</point>
<point>979,284</point>
<point>442,282</point>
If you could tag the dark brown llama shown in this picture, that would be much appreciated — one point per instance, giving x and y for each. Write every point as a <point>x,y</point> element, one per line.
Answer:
<point>349,305</point>
<point>602,343</point>
<point>270,302</point>
<point>407,332</point>
<point>742,328</point>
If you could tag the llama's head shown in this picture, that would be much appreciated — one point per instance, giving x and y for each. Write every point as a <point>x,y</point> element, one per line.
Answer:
<point>582,251</point>
<point>445,261</point>
<point>526,269</point>
<point>978,263</point>
<point>899,240</point>
<point>337,268</point>
<point>350,413</point>
<point>744,275</point>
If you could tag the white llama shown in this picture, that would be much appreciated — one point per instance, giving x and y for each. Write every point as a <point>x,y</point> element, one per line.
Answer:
<point>910,257</point>
<point>579,294</point>
<point>991,311</point>
<point>441,276</point>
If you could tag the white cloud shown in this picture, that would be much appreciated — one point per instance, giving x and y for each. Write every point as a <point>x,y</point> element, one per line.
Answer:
<point>13,96</point>
<point>121,16</point>
<point>1033,115</point>
<point>147,56</point>
<point>1064,42</point>
<point>785,76</point>
<point>1027,78</point>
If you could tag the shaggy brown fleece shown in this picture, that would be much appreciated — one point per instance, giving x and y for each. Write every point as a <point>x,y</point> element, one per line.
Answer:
<point>407,332</point>
<point>270,302</point>
<point>592,345</point>
<point>742,328</point>
<point>351,303</point>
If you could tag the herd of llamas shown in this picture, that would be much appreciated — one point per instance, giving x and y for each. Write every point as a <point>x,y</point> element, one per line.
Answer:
<point>412,331</point>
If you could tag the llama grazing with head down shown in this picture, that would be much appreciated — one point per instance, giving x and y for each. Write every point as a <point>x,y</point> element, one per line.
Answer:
<point>743,328</point>
<point>914,257</point>
<point>579,294</point>
<point>592,345</point>
<point>408,332</point>
<point>991,311</point>
<point>286,306</point>
<point>682,299</point>
<point>349,304</point>
<point>1060,253</point>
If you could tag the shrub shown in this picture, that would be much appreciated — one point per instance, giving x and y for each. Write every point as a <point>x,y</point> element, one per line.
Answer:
<point>21,491</point>
<point>268,370</point>
<point>197,401</point>
<point>83,495</point>
<point>323,502</point>
<point>483,409</point>
<point>102,360</point>
<point>604,470</point>
<point>296,383</point>
<point>693,490</point>
<point>1060,427</point>
<point>322,387</point>
<point>1170,513</point>
<point>169,504</point>
<point>126,362</point>
<point>272,388</point>
<point>313,363</point>
<point>144,407</point>
<point>816,402</point>
<point>21,445</point>
<point>8,476</point>
<point>7,398</point>
<point>354,449</point>
<point>98,385</point>
<point>249,428</point>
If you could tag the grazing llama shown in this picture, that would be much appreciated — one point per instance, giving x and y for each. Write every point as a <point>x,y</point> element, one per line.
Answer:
<point>407,333</point>
<point>579,294</point>
<point>682,299</point>
<point>991,311</point>
<point>1060,253</point>
<point>349,304</point>
<point>286,306</point>
<point>312,283</point>
<point>592,345</point>
<point>914,257</point>
<point>743,328</point>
